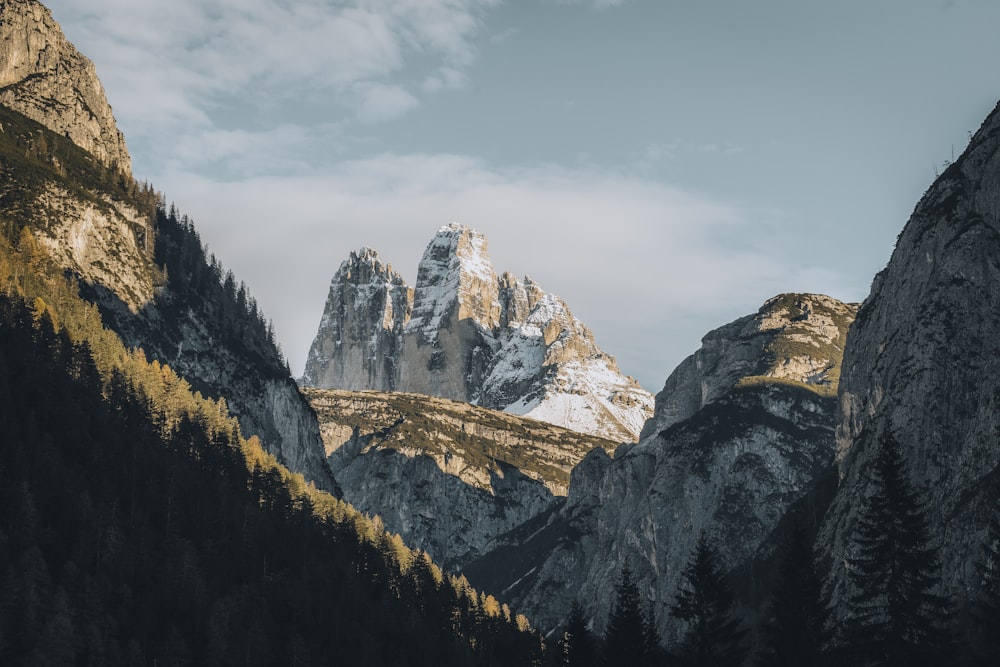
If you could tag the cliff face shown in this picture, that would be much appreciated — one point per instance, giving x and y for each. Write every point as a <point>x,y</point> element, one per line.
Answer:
<point>199,324</point>
<point>447,476</point>
<point>750,446</point>
<point>923,362</point>
<point>793,337</point>
<point>471,335</point>
<point>44,77</point>
<point>359,335</point>
<point>449,341</point>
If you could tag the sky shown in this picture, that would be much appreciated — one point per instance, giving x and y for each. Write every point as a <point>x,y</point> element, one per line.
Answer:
<point>664,166</point>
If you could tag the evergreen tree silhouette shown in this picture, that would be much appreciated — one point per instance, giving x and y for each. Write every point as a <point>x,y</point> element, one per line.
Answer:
<point>624,642</point>
<point>714,637</point>
<point>895,615</point>
<point>578,645</point>
<point>984,631</point>
<point>793,634</point>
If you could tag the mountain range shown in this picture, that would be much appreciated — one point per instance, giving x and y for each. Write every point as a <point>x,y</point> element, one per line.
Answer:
<point>467,334</point>
<point>459,452</point>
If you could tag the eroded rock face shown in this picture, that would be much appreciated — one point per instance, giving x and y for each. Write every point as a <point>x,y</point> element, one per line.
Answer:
<point>471,335</point>
<point>729,468</point>
<point>449,342</point>
<point>798,337</point>
<point>923,362</point>
<point>447,476</point>
<point>359,335</point>
<point>104,243</point>
<point>44,77</point>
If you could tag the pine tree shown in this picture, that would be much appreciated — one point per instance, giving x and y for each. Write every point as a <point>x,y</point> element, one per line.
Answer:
<point>651,646</point>
<point>623,640</point>
<point>984,631</point>
<point>714,637</point>
<point>793,634</point>
<point>579,648</point>
<point>895,615</point>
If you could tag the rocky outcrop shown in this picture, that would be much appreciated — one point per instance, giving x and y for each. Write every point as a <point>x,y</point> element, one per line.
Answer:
<point>923,364</point>
<point>447,476</point>
<point>44,77</point>
<point>729,470</point>
<point>795,337</point>
<point>449,342</point>
<point>471,335</point>
<point>358,338</point>
<point>103,241</point>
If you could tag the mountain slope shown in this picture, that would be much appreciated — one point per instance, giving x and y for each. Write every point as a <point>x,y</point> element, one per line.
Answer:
<point>467,334</point>
<point>730,471</point>
<point>139,527</point>
<point>447,476</point>
<point>923,361</point>
<point>144,267</point>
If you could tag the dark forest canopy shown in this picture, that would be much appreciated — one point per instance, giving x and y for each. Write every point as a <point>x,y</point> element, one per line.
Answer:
<point>138,525</point>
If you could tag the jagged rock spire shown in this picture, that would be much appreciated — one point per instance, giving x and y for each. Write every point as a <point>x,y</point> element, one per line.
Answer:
<point>474,336</point>
<point>358,336</point>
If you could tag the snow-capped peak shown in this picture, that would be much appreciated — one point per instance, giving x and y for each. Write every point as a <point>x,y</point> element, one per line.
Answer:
<point>474,336</point>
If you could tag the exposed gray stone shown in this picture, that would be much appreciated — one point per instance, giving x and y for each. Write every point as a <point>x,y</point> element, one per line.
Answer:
<point>44,77</point>
<point>752,436</point>
<point>447,476</point>
<point>466,334</point>
<point>923,361</point>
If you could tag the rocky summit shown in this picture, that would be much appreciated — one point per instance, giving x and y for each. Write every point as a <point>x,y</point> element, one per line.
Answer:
<point>744,429</point>
<point>794,337</point>
<point>468,334</point>
<point>367,301</point>
<point>922,364</point>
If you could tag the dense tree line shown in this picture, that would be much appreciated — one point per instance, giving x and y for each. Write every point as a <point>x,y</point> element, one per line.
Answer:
<point>892,612</point>
<point>195,276</point>
<point>137,526</point>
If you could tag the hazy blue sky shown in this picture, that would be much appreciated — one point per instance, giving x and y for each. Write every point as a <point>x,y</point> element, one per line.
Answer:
<point>664,166</point>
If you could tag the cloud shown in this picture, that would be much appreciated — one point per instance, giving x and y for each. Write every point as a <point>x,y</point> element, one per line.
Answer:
<point>381,103</point>
<point>185,65</point>
<point>595,4</point>
<point>447,78</point>
<point>638,261</point>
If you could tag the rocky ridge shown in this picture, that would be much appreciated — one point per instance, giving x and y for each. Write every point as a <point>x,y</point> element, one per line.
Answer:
<point>793,337</point>
<point>922,364</point>
<point>471,335</point>
<point>751,446</point>
<point>44,77</point>
<point>447,476</point>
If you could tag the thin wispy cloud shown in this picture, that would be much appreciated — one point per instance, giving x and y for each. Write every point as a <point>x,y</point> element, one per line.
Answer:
<point>176,65</point>
<point>595,4</point>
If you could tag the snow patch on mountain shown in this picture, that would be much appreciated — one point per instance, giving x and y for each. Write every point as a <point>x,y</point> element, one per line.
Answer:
<point>471,335</point>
